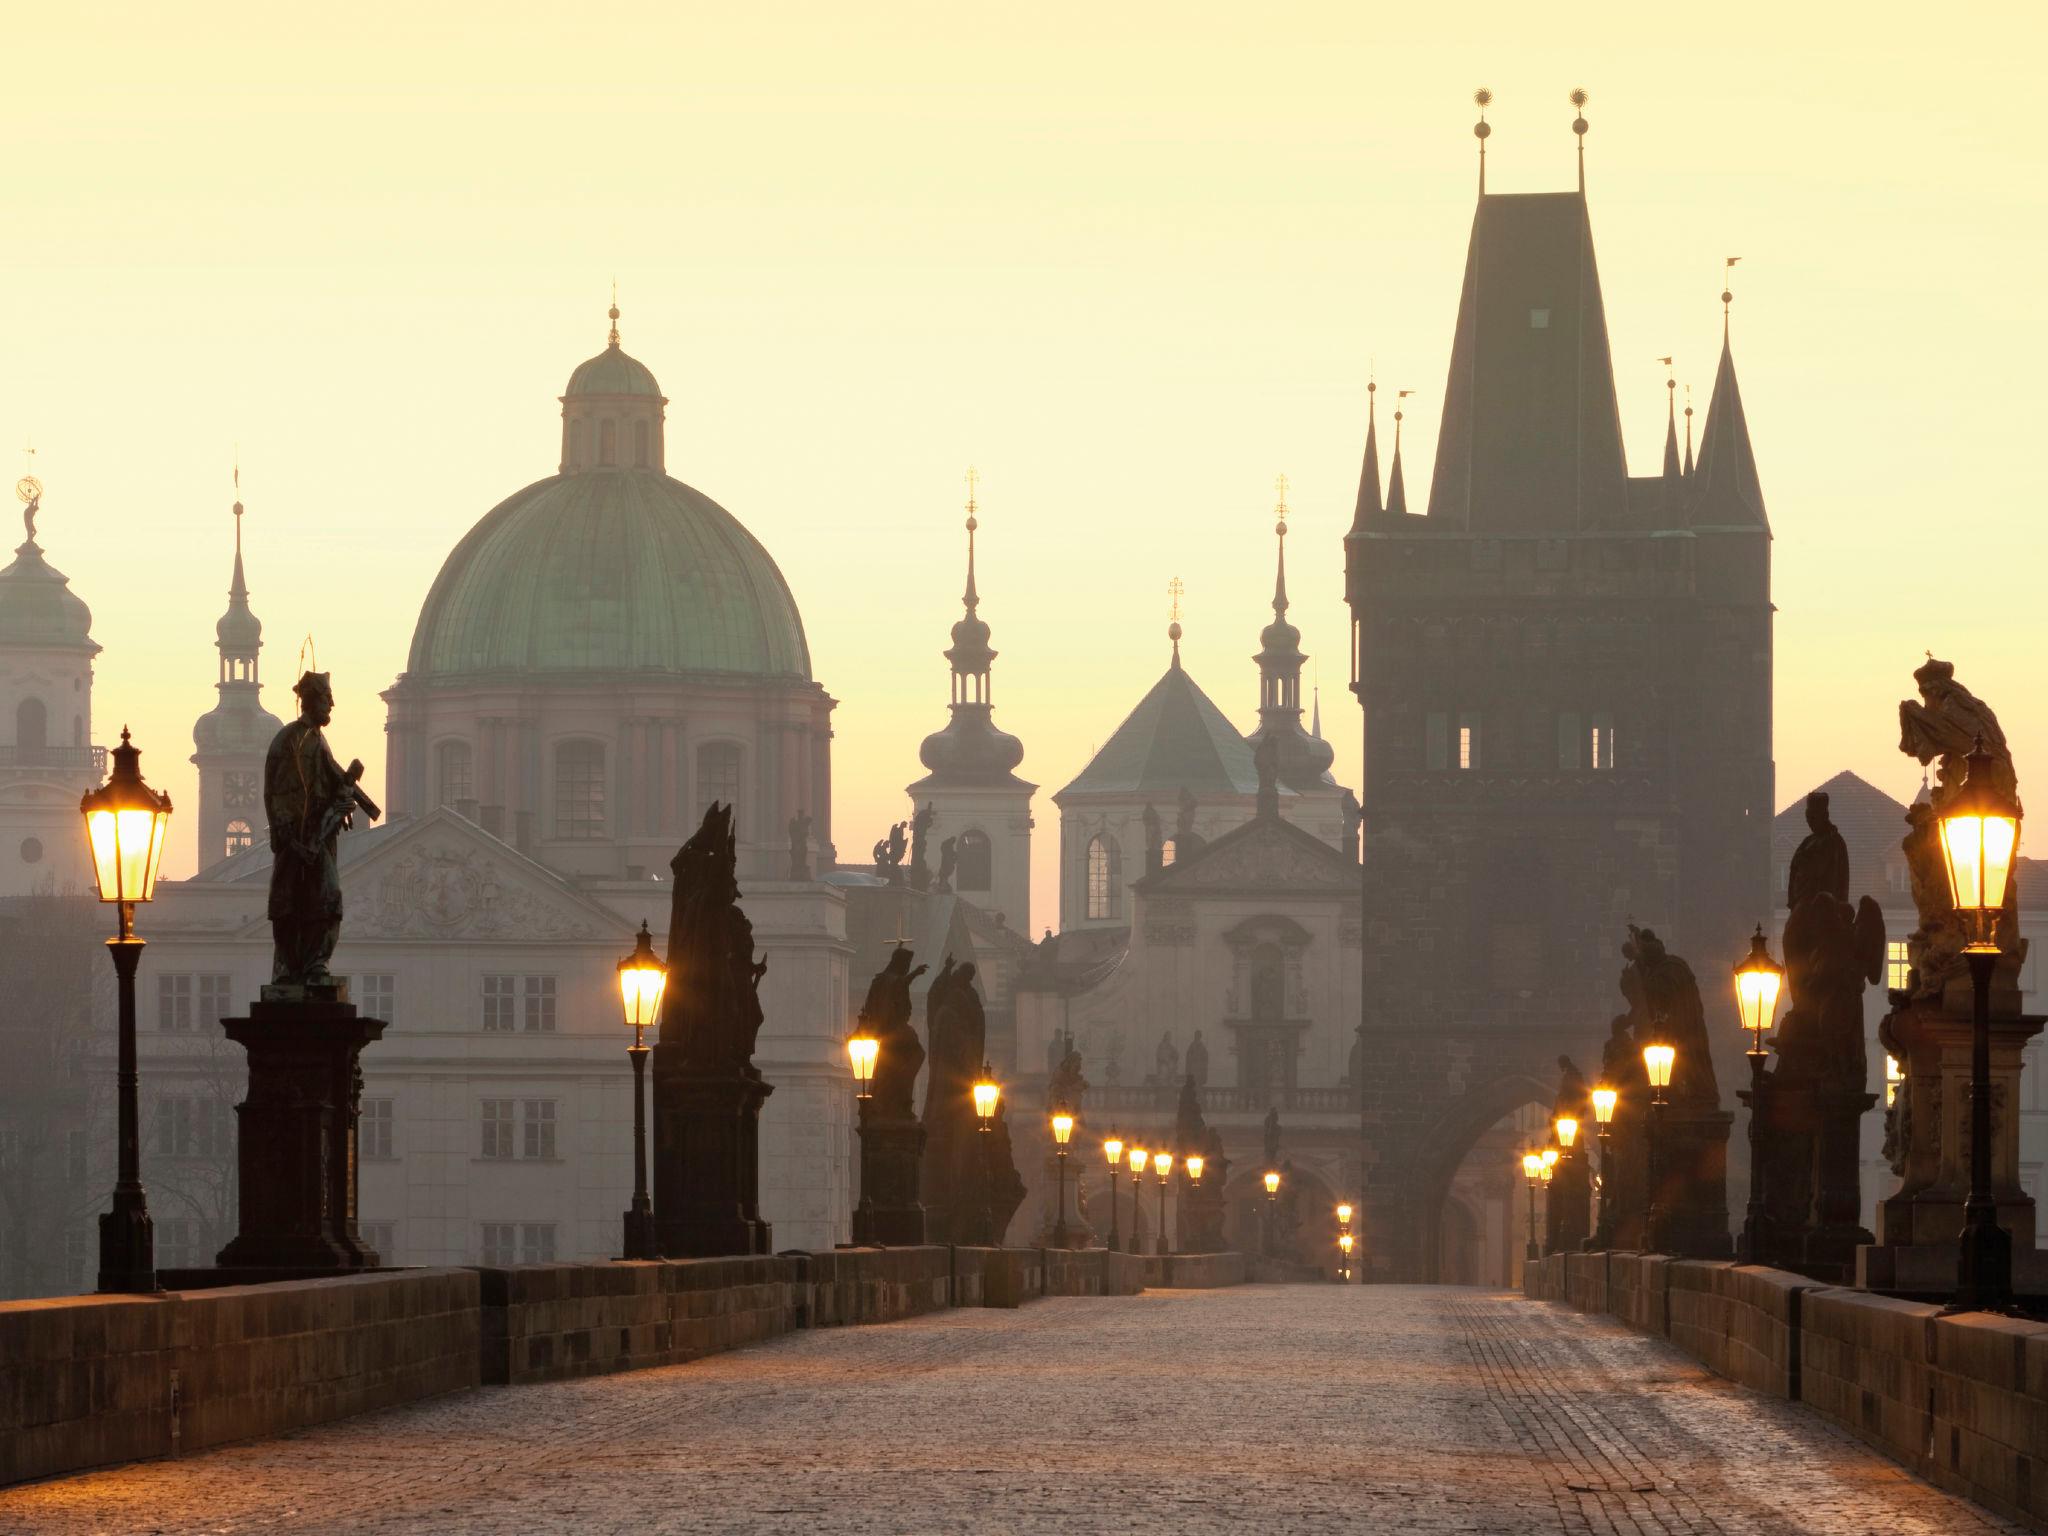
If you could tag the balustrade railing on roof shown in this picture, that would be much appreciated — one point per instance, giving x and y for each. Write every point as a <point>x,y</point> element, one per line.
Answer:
<point>1136,1097</point>
<point>57,759</point>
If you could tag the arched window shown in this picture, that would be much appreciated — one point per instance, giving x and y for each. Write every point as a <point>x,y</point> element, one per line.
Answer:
<point>579,790</point>
<point>240,835</point>
<point>31,725</point>
<point>718,774</point>
<point>640,444</point>
<point>452,773</point>
<point>575,445</point>
<point>1104,894</point>
<point>975,870</point>
<point>608,441</point>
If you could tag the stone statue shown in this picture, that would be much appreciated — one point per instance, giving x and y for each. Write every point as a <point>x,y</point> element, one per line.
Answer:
<point>800,846</point>
<point>949,860</point>
<point>886,1013</point>
<point>1186,840</point>
<point>1155,840</point>
<point>956,1028</point>
<point>920,831</point>
<point>309,799</point>
<point>897,845</point>
<point>1272,1129</point>
<point>1198,1061</point>
<point>1574,1097</point>
<point>1820,865</point>
<point>1190,1130</point>
<point>1354,825</point>
<point>1670,1012</point>
<point>712,1006</point>
<point>1063,1089</point>
<point>1266,759</point>
<point>1056,1050</point>
<point>1941,728</point>
<point>1832,952</point>
<point>1166,1061</point>
<point>1113,1064</point>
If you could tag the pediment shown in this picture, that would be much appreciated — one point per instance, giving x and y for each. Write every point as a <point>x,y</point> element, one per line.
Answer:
<point>1267,855</point>
<point>443,878</point>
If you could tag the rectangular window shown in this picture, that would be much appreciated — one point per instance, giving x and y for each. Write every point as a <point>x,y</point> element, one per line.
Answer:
<point>373,1132</point>
<point>498,995</point>
<point>537,1128</point>
<point>382,1236</point>
<point>540,1002</point>
<point>178,1243</point>
<point>1568,742</point>
<point>213,999</point>
<point>1436,741</point>
<point>1468,740</point>
<point>192,1127</point>
<point>500,1244</point>
<point>380,996</point>
<point>1896,965</point>
<point>536,1242</point>
<point>1600,744</point>
<point>174,1003</point>
<point>497,1128</point>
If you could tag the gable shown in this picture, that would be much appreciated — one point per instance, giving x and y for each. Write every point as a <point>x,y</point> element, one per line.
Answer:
<point>1265,856</point>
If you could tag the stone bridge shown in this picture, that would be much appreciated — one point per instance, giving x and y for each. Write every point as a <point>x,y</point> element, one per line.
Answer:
<point>1125,1395</point>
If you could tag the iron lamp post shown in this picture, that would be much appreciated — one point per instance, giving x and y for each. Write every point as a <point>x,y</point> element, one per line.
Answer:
<point>125,825</point>
<point>1062,1130</point>
<point>1658,1063</point>
<point>1139,1157</point>
<point>1272,1214</point>
<point>1344,1246</point>
<point>863,1054</point>
<point>1113,1150</point>
<point>1163,1162</point>
<point>642,981</point>
<point>1604,1100</point>
<point>1980,834</point>
<point>1192,1165</point>
<point>1758,979</point>
<point>987,1094</point>
<point>1532,1170</point>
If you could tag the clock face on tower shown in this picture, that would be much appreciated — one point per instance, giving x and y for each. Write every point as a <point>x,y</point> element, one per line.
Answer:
<point>238,791</point>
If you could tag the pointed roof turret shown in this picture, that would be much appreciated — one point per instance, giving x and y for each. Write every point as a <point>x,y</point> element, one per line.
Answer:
<point>1727,491</point>
<point>1369,504</point>
<point>1674,473</point>
<point>1300,760</point>
<point>1688,431</point>
<point>238,724</point>
<point>1397,488</point>
<point>239,632</point>
<point>970,750</point>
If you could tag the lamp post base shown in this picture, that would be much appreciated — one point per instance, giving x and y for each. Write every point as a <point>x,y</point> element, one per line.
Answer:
<point>638,1226</point>
<point>127,1246</point>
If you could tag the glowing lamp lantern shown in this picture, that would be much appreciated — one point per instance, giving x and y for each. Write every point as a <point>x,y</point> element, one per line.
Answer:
<point>1113,1149</point>
<point>1549,1157</point>
<point>1195,1164</point>
<point>1658,1061</point>
<point>1344,1213</point>
<point>1062,1127</point>
<point>1567,1131</point>
<point>1757,981</point>
<point>1980,833</point>
<point>1604,1100</point>
<point>125,824</point>
<point>1162,1163</point>
<point>864,1051</point>
<point>1344,1242</point>
<point>1272,1183</point>
<point>1532,1167</point>
<point>1139,1157</point>
<point>642,981</point>
<point>987,1094</point>
<point>1545,1167</point>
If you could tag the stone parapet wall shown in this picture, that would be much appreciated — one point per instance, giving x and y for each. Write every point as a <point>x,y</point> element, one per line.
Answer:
<point>1962,1401</point>
<point>87,1380</point>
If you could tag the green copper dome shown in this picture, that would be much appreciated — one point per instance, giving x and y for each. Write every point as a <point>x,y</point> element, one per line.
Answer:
<point>609,571</point>
<point>38,609</point>
<point>612,372</point>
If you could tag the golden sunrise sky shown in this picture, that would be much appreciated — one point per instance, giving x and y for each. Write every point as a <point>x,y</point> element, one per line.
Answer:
<point>1132,261</point>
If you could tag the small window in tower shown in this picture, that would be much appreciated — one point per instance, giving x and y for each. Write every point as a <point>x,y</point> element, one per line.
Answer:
<point>1168,852</point>
<point>31,725</point>
<point>453,772</point>
<point>975,871</point>
<point>1102,884</point>
<point>1600,744</point>
<point>240,835</point>
<point>1539,319</point>
<point>1468,740</point>
<point>718,774</point>
<point>579,790</point>
<point>640,444</point>
<point>608,442</point>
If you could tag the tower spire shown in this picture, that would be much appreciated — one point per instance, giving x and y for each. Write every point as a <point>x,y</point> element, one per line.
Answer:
<point>1579,132</point>
<point>612,339</point>
<point>1688,431</point>
<point>1174,591</point>
<point>1369,505</point>
<point>971,597</point>
<point>1727,293</point>
<point>1397,489</point>
<point>1672,470</point>
<point>1482,131</point>
<point>1280,535</point>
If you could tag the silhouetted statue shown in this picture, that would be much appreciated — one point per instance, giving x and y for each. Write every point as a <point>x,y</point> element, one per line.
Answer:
<point>1671,1013</point>
<point>949,860</point>
<point>1113,1064</point>
<point>1186,840</point>
<point>800,846</point>
<point>1688,1209</point>
<point>886,1013</point>
<point>1272,1129</point>
<point>1190,1130</point>
<point>1155,840</point>
<point>711,1008</point>
<point>1354,825</point>
<point>1574,1098</point>
<point>920,829</point>
<point>1832,952</point>
<point>1266,759</point>
<point>1063,1089</point>
<point>309,799</point>
<point>1820,865</point>
<point>957,1181</point>
<point>1198,1061</point>
<point>1166,1061</point>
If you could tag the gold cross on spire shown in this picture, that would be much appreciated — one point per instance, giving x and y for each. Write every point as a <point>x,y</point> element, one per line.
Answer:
<point>1175,590</point>
<point>973,485</point>
<point>1280,491</point>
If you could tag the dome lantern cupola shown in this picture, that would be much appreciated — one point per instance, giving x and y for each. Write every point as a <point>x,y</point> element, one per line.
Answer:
<point>970,748</point>
<point>1304,759</point>
<point>613,412</point>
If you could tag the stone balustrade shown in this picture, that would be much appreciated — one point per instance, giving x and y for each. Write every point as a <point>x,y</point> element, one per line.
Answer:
<point>1961,1401</point>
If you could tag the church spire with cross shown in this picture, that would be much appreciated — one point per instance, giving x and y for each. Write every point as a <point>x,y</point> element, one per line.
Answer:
<point>232,737</point>
<point>1303,760</point>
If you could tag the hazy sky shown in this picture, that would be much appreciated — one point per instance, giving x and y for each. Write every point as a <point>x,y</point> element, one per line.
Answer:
<point>1132,261</point>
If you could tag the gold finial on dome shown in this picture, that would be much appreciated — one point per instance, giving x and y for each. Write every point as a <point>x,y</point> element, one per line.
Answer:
<point>613,338</point>
<point>973,480</point>
<point>1280,505</point>
<point>1175,590</point>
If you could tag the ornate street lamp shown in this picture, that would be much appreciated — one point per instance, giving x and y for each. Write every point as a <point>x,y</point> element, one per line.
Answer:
<point>988,1093</point>
<point>1272,1215</point>
<point>1113,1150</point>
<point>125,825</point>
<point>1195,1164</point>
<point>1163,1162</point>
<point>1343,1213</point>
<point>1532,1170</point>
<point>1980,834</point>
<point>864,1055</point>
<point>1758,979</point>
<point>642,981</point>
<point>1658,1063</point>
<point>1062,1130</point>
<point>1604,1100</point>
<point>1138,1158</point>
<point>1344,1244</point>
<point>1567,1128</point>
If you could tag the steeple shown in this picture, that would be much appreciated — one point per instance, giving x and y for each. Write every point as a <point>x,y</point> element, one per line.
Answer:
<point>1688,431</point>
<point>1397,488</point>
<point>1727,492</point>
<point>1369,505</point>
<point>1301,760</point>
<point>1174,592</point>
<point>233,736</point>
<point>1674,474</point>
<point>970,750</point>
<point>239,634</point>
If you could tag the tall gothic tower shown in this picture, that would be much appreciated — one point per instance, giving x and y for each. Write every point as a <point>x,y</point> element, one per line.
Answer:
<point>974,792</point>
<point>1565,673</point>
<point>233,736</point>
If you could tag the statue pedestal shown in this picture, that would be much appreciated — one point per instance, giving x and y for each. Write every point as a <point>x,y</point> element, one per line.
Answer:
<point>1568,1207</point>
<point>1079,1233</point>
<point>296,1136</point>
<point>707,1160</point>
<point>1689,1212</point>
<point>890,1213</point>
<point>1837,1230</point>
<point>1932,1137</point>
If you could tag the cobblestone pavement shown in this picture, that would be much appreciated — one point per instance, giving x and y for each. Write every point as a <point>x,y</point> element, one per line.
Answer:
<point>1281,1408</point>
